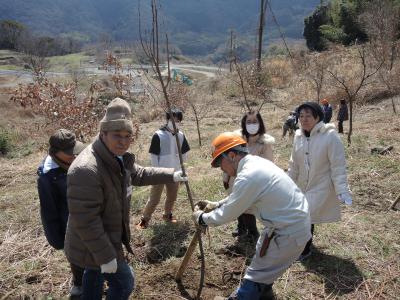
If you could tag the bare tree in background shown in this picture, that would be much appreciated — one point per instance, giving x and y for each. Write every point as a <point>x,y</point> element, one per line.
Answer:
<point>253,85</point>
<point>314,68</point>
<point>381,20</point>
<point>352,82</point>
<point>201,107</point>
<point>151,44</point>
<point>35,56</point>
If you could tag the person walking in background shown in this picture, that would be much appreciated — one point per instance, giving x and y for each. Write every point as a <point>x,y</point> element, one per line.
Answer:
<point>52,189</point>
<point>99,189</point>
<point>260,144</point>
<point>278,203</point>
<point>290,124</point>
<point>164,153</point>
<point>327,109</point>
<point>318,166</point>
<point>343,114</point>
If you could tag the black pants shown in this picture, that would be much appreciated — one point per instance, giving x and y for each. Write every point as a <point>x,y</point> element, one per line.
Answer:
<point>340,126</point>
<point>307,248</point>
<point>77,274</point>
<point>247,225</point>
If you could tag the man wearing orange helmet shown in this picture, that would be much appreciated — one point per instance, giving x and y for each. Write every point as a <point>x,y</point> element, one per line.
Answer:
<point>266,191</point>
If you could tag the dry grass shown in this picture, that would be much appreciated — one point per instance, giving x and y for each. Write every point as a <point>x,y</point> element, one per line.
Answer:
<point>357,258</point>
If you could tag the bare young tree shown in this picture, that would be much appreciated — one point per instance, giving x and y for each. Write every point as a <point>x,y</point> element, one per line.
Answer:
<point>351,83</point>
<point>253,85</point>
<point>151,47</point>
<point>314,69</point>
<point>35,56</point>
<point>381,20</point>
<point>201,107</point>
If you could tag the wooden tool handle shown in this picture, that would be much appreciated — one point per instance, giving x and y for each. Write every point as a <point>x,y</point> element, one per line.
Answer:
<point>188,254</point>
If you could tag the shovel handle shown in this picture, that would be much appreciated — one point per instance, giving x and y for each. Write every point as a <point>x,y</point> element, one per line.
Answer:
<point>188,254</point>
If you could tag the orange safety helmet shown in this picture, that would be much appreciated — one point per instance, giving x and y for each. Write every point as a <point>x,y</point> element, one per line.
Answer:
<point>324,101</point>
<point>223,142</point>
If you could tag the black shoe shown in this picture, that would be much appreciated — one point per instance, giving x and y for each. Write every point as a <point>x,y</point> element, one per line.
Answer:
<point>304,256</point>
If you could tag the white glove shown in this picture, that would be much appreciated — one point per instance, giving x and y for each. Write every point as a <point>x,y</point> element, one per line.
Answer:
<point>345,198</point>
<point>178,177</point>
<point>110,267</point>
<point>207,206</point>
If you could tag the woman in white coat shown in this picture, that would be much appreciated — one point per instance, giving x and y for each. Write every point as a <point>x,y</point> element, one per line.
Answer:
<point>318,166</point>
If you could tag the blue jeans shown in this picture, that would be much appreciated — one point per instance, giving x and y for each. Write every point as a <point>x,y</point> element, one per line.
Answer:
<point>120,284</point>
<point>250,290</point>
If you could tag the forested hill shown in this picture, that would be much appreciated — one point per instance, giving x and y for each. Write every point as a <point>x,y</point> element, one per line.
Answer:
<point>204,21</point>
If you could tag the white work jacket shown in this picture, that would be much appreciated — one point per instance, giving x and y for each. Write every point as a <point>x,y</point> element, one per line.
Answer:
<point>263,189</point>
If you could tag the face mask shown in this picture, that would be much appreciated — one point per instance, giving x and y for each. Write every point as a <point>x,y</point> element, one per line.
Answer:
<point>252,128</point>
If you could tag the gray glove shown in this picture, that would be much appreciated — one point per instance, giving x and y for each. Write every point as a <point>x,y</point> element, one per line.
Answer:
<point>178,177</point>
<point>207,206</point>
<point>110,267</point>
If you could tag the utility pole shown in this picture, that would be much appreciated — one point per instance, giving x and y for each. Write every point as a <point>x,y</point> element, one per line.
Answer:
<point>231,55</point>
<point>263,8</point>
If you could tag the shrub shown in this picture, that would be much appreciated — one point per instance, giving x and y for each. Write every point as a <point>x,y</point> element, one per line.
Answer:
<point>5,141</point>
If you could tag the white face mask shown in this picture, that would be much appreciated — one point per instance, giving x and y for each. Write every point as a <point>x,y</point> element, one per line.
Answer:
<point>252,128</point>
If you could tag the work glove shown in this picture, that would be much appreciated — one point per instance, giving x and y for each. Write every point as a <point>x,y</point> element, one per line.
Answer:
<point>345,198</point>
<point>226,185</point>
<point>206,205</point>
<point>110,267</point>
<point>197,217</point>
<point>178,177</point>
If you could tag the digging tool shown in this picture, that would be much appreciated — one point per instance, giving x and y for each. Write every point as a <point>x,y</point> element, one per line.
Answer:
<point>188,254</point>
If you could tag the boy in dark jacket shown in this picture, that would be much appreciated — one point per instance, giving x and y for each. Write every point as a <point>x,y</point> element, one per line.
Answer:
<point>52,188</point>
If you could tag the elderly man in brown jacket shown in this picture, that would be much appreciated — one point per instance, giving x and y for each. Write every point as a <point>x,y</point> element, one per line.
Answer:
<point>99,190</point>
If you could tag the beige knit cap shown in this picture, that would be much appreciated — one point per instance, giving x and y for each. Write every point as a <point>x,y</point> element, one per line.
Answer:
<point>117,117</point>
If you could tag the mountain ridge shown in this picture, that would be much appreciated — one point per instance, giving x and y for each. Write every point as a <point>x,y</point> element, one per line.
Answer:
<point>211,20</point>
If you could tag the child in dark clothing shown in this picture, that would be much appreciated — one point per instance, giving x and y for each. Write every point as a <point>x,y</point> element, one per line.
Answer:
<point>52,188</point>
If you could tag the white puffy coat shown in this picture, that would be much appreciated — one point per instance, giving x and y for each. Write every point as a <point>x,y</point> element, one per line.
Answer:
<point>318,166</point>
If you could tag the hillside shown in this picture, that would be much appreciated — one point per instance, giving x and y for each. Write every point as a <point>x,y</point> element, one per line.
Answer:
<point>198,26</point>
<point>356,258</point>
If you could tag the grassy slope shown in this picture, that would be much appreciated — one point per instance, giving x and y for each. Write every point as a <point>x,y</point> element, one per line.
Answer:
<point>67,62</point>
<point>56,63</point>
<point>354,259</point>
